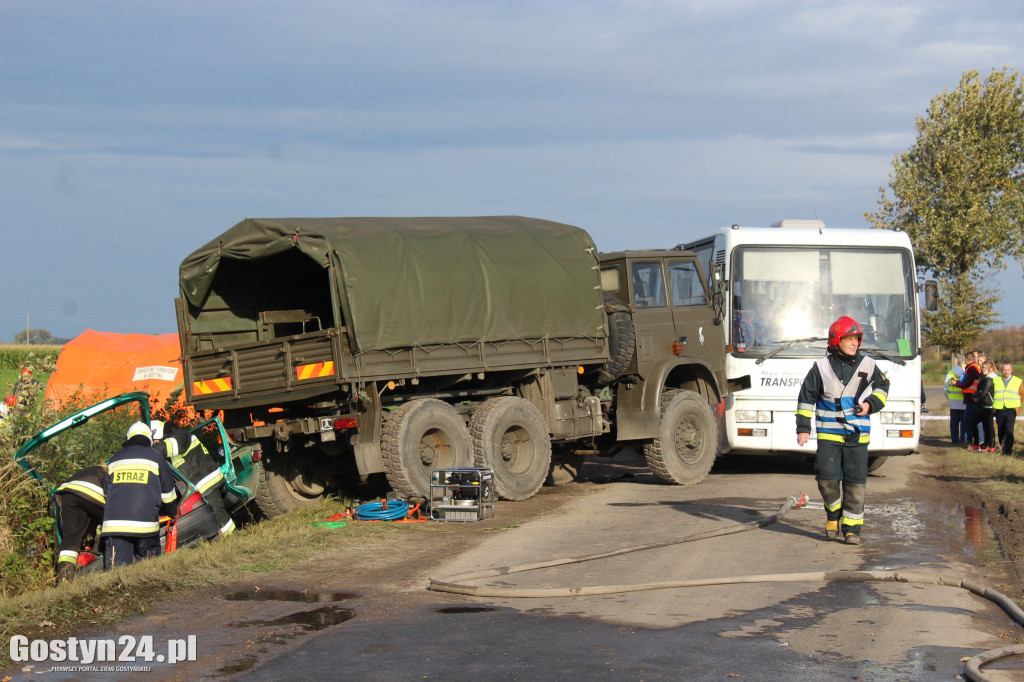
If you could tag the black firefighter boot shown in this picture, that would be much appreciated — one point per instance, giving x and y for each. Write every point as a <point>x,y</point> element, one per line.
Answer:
<point>833,507</point>
<point>853,510</point>
<point>65,571</point>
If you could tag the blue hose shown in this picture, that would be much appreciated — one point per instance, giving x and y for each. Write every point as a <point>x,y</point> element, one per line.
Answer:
<point>375,511</point>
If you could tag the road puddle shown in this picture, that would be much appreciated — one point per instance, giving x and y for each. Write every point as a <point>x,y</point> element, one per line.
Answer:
<point>311,621</point>
<point>302,596</point>
<point>978,534</point>
<point>465,609</point>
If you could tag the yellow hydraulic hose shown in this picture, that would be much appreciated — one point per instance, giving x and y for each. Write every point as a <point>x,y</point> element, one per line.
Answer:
<point>456,584</point>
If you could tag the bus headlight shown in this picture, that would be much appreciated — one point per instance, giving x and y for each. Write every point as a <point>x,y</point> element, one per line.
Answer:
<point>754,416</point>
<point>896,417</point>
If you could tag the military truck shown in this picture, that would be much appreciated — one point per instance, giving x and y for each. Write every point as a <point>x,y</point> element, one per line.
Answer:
<point>353,347</point>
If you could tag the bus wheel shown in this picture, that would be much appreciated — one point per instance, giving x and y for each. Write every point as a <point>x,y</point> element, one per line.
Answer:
<point>420,436</point>
<point>687,443</point>
<point>875,462</point>
<point>510,437</point>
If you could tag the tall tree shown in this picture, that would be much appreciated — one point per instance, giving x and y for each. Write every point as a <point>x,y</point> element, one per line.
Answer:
<point>34,336</point>
<point>958,192</point>
<point>963,313</point>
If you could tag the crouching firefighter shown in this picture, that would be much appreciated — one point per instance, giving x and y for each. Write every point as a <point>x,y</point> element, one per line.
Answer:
<point>842,390</point>
<point>188,455</point>
<point>140,489</point>
<point>80,501</point>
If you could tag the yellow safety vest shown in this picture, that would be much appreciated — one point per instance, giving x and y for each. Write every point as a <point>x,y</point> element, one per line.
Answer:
<point>954,392</point>
<point>1006,395</point>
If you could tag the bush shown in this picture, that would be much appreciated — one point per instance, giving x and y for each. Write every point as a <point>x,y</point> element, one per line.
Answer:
<point>26,521</point>
<point>26,553</point>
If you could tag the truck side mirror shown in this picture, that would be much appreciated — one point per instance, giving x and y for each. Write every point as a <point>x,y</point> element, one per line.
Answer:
<point>715,285</point>
<point>931,295</point>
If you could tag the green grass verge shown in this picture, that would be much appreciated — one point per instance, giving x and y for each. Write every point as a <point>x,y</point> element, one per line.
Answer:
<point>933,372</point>
<point>103,598</point>
<point>8,377</point>
<point>998,478</point>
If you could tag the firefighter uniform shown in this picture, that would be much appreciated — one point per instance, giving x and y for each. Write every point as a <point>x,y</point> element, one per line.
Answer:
<point>188,455</point>
<point>1006,401</point>
<point>140,487</point>
<point>834,388</point>
<point>80,501</point>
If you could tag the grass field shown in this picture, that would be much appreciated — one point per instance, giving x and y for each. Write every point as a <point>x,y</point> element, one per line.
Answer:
<point>106,597</point>
<point>8,377</point>
<point>14,357</point>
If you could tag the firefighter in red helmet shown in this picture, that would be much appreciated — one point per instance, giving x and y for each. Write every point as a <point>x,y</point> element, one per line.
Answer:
<point>840,393</point>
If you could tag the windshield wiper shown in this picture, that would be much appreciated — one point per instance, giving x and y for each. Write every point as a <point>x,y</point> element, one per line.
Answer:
<point>884,355</point>
<point>786,345</point>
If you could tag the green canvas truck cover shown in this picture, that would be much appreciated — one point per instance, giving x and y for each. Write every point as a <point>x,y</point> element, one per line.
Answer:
<point>425,281</point>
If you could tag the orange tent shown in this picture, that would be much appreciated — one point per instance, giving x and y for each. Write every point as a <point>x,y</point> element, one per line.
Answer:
<point>104,364</point>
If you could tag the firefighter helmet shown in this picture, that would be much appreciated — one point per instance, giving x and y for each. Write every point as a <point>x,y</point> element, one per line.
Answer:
<point>140,429</point>
<point>156,428</point>
<point>844,326</point>
<point>10,401</point>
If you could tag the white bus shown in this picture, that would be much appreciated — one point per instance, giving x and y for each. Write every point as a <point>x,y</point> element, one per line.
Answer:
<point>782,286</point>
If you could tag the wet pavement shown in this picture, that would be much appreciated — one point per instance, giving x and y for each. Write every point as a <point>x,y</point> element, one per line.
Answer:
<point>794,631</point>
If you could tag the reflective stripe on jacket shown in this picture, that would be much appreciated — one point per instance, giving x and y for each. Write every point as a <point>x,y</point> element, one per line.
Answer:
<point>970,389</point>
<point>835,411</point>
<point>87,483</point>
<point>139,486</point>
<point>1006,395</point>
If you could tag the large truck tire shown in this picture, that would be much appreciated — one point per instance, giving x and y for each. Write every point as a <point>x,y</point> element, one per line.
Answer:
<point>418,437</point>
<point>566,467</point>
<point>621,346</point>
<point>510,437</point>
<point>289,481</point>
<point>685,449</point>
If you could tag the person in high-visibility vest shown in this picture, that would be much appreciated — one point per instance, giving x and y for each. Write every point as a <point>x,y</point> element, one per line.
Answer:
<point>840,392</point>
<point>969,384</point>
<point>1008,391</point>
<point>955,396</point>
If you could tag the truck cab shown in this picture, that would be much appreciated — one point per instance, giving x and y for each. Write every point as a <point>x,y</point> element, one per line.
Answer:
<point>674,318</point>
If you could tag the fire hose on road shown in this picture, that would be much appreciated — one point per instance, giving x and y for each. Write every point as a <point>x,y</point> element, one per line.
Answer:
<point>456,584</point>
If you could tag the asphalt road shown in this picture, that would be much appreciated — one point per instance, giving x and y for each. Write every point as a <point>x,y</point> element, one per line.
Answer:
<point>793,631</point>
<point>384,625</point>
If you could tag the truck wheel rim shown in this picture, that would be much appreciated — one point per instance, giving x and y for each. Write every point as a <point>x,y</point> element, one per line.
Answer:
<point>435,449</point>
<point>688,441</point>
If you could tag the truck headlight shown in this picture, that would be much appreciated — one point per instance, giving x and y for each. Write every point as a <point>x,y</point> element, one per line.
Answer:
<point>754,416</point>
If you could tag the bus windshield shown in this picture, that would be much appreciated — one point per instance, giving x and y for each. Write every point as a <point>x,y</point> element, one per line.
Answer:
<point>788,296</point>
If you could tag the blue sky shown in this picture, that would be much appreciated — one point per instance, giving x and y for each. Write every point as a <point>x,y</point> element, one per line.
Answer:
<point>133,132</point>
